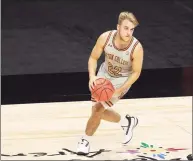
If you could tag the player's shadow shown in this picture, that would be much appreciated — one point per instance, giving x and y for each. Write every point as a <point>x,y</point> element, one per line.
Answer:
<point>90,154</point>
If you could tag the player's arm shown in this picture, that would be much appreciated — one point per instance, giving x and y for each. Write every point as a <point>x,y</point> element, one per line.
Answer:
<point>96,53</point>
<point>137,64</point>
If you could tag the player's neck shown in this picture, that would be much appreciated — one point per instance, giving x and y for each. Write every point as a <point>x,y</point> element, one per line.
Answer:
<point>120,41</point>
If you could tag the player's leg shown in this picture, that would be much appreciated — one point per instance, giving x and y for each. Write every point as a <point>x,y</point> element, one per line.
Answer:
<point>91,127</point>
<point>95,118</point>
<point>128,123</point>
<point>111,115</point>
<point>93,121</point>
<point>99,111</point>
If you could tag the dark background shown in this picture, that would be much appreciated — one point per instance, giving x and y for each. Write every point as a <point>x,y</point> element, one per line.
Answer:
<point>57,36</point>
<point>46,45</point>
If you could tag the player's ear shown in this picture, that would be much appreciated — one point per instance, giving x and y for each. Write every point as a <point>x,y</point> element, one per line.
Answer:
<point>118,26</point>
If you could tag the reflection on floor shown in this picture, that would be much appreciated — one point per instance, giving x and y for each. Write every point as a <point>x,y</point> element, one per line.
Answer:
<point>51,130</point>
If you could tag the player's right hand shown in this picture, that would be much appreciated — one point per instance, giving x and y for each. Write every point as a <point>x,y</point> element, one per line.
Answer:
<point>92,82</point>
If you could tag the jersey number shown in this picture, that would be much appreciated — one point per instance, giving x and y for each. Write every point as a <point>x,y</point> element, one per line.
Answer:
<point>115,70</point>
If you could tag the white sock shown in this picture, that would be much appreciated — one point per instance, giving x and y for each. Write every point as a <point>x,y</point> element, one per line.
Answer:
<point>86,137</point>
<point>123,121</point>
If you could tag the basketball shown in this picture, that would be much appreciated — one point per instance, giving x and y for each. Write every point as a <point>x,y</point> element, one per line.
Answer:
<point>103,90</point>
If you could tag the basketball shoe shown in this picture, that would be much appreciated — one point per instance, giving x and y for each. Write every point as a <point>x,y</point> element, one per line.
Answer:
<point>83,147</point>
<point>129,124</point>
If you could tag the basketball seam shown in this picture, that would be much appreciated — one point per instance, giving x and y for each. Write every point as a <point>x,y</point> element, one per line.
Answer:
<point>100,87</point>
<point>111,85</point>
<point>97,90</point>
<point>107,94</point>
<point>110,89</point>
<point>101,93</point>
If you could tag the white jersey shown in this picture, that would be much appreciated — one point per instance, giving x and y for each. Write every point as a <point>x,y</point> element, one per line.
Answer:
<point>118,62</point>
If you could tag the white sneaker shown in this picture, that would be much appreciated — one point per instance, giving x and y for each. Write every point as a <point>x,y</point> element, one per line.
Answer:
<point>83,147</point>
<point>128,128</point>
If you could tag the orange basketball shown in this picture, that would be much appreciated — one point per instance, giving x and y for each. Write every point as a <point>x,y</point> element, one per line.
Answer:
<point>103,90</point>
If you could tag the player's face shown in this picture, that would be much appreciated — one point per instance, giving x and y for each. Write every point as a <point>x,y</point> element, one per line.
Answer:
<point>125,29</point>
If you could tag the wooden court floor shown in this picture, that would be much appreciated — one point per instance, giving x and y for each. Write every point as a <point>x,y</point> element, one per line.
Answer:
<point>50,131</point>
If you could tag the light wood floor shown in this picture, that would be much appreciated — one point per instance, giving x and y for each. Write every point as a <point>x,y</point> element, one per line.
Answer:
<point>50,127</point>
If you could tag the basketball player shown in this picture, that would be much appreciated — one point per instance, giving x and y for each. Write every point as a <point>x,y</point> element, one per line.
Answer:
<point>122,66</point>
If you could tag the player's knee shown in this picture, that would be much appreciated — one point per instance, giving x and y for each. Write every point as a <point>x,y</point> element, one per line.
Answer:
<point>98,109</point>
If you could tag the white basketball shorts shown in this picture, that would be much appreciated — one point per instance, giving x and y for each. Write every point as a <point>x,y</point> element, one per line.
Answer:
<point>117,82</point>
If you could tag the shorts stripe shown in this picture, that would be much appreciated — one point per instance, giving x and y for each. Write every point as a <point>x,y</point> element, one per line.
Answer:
<point>108,103</point>
<point>93,100</point>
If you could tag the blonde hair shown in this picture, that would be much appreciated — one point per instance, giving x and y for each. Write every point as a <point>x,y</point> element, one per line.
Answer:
<point>129,16</point>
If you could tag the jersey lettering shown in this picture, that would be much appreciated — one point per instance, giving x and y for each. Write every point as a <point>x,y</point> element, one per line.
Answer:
<point>114,70</point>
